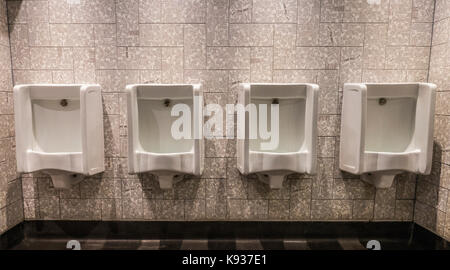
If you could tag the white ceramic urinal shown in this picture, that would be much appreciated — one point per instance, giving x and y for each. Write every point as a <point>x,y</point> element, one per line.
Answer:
<point>387,129</point>
<point>295,151</point>
<point>59,131</point>
<point>154,114</point>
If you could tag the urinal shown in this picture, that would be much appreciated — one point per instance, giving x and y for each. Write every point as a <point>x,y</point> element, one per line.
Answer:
<point>387,129</point>
<point>59,131</point>
<point>295,151</point>
<point>154,142</point>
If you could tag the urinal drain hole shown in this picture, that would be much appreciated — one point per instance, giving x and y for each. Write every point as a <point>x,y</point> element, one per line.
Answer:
<point>63,102</point>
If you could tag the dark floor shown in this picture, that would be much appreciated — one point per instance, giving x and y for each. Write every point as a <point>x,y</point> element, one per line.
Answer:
<point>55,235</point>
<point>221,244</point>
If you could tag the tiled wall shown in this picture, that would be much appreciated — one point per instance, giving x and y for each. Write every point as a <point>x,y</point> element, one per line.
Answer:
<point>11,207</point>
<point>433,200</point>
<point>220,43</point>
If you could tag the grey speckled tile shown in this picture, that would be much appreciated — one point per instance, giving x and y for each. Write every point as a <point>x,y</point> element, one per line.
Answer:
<point>228,58</point>
<point>259,190</point>
<point>195,209</point>
<point>89,209</point>
<point>240,11</point>
<point>331,209</point>
<point>217,23</point>
<point>385,203</point>
<point>362,209</point>
<point>278,209</point>
<point>49,208</point>
<point>247,209</point>
<point>267,11</point>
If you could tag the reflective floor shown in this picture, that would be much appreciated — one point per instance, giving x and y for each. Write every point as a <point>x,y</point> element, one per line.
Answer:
<point>218,244</point>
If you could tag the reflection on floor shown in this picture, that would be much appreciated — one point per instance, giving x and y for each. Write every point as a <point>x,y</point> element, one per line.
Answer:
<point>217,244</point>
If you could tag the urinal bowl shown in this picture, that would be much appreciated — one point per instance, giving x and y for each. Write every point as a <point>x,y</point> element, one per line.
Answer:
<point>295,151</point>
<point>153,147</point>
<point>387,129</point>
<point>54,133</point>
